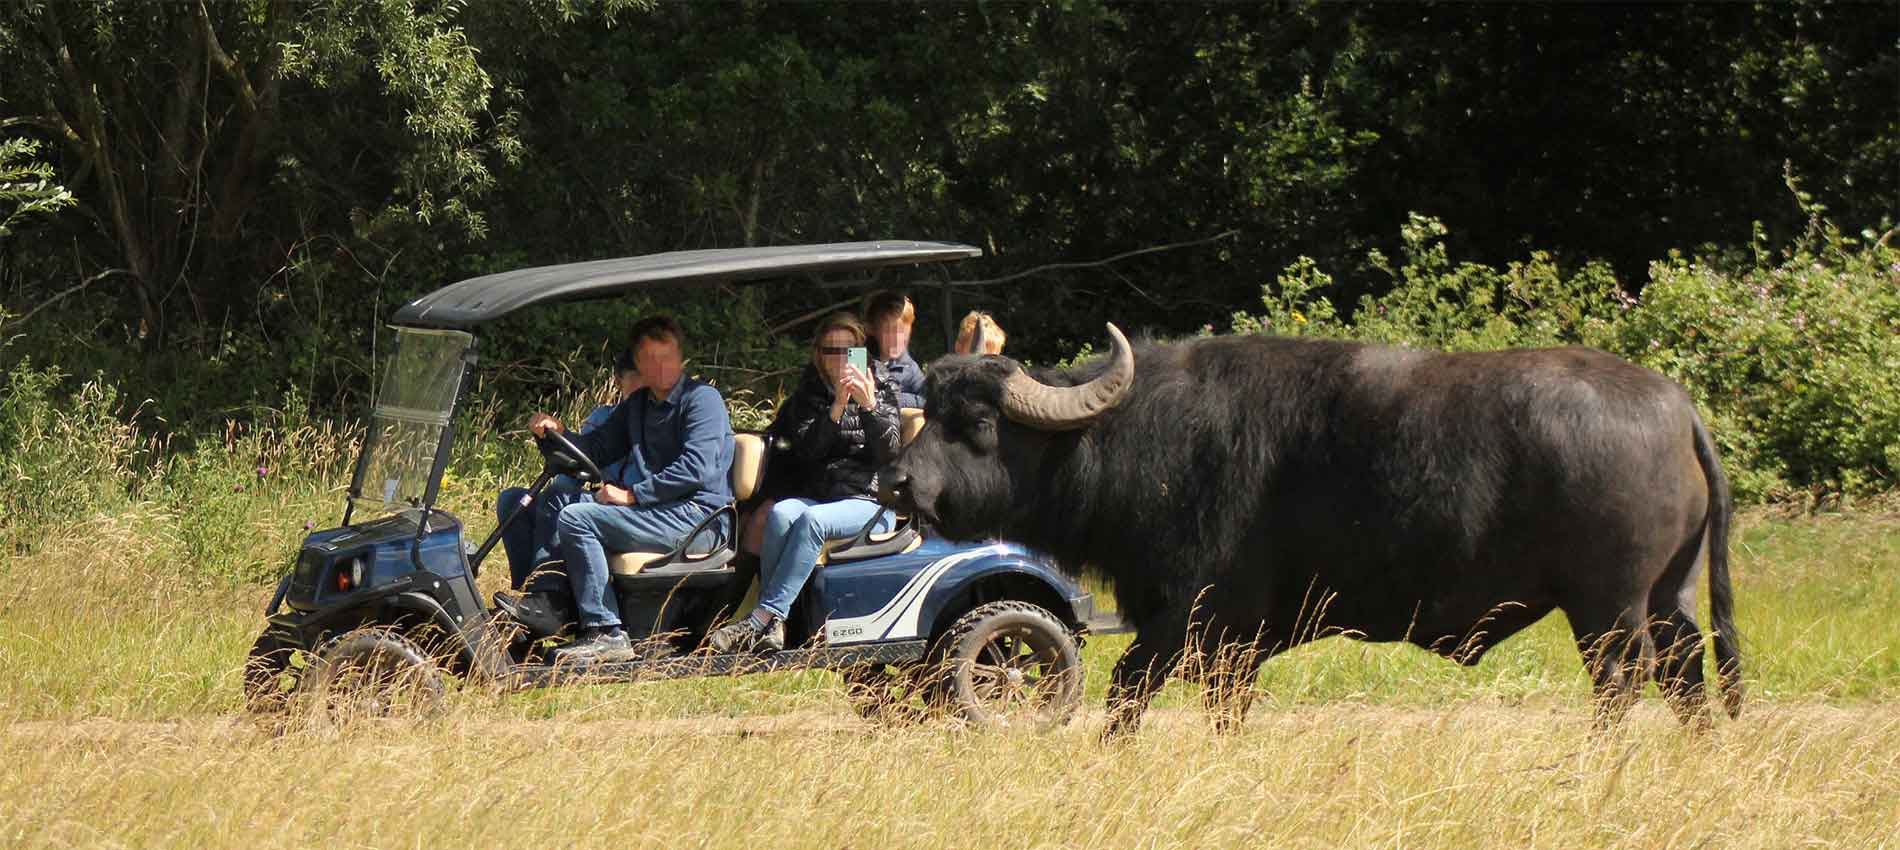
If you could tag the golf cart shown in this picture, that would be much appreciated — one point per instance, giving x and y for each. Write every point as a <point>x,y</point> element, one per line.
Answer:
<point>374,613</point>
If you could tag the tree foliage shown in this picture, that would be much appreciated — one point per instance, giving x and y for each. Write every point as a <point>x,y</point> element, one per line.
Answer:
<point>26,184</point>
<point>187,129</point>
<point>256,184</point>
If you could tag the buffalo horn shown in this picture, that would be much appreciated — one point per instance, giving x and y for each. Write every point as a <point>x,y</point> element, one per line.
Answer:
<point>1043,407</point>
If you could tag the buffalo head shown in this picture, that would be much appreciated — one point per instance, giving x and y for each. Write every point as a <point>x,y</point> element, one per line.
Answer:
<point>987,423</point>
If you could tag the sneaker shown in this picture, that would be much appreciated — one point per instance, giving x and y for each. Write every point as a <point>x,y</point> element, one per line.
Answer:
<point>606,644</point>
<point>748,635</point>
<point>542,614</point>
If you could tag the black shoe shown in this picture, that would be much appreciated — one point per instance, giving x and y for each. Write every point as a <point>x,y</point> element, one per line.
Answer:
<point>748,635</point>
<point>608,644</point>
<point>542,614</point>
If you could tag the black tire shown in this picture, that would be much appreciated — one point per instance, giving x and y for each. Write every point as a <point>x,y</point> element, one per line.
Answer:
<point>897,694</point>
<point>1011,664</point>
<point>267,687</point>
<point>371,672</point>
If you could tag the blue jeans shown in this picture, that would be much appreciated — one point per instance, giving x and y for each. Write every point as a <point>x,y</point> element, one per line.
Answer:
<point>795,533</point>
<point>586,531</point>
<point>526,541</point>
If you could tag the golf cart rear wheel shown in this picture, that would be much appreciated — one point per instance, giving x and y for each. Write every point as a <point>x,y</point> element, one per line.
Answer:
<point>898,694</point>
<point>1009,664</point>
<point>372,672</point>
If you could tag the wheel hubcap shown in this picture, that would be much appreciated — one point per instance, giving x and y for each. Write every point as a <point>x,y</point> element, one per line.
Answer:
<point>1009,673</point>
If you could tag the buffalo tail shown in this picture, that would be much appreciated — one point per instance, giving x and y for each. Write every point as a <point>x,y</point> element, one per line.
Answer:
<point>1728,653</point>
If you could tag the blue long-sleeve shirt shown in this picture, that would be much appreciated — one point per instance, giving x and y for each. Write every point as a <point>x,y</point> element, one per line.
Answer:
<point>910,380</point>
<point>599,417</point>
<point>675,449</point>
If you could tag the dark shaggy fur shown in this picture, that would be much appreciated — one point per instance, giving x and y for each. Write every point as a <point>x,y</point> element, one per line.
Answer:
<point>1253,493</point>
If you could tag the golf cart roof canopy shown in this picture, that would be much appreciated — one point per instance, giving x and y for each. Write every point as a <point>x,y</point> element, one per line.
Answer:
<point>480,299</point>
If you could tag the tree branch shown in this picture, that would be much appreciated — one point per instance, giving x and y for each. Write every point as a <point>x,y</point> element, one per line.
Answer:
<point>237,190</point>
<point>214,49</point>
<point>1094,263</point>
<point>68,291</point>
<point>56,121</point>
<point>50,123</point>
<point>191,65</point>
<point>806,317</point>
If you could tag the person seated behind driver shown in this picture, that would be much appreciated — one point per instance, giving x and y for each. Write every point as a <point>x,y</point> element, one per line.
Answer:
<point>843,422</point>
<point>677,441</point>
<point>979,334</point>
<point>526,539</point>
<point>888,318</point>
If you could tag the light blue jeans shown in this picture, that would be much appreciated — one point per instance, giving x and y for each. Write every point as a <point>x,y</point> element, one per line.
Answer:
<point>586,531</point>
<point>795,533</point>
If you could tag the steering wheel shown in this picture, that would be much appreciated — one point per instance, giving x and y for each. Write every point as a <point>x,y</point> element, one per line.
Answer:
<point>562,454</point>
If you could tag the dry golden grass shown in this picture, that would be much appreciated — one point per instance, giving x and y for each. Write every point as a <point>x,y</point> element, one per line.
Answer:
<point>119,727</point>
<point>1472,774</point>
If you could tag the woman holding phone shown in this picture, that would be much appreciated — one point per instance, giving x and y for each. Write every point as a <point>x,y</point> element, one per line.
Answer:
<point>841,422</point>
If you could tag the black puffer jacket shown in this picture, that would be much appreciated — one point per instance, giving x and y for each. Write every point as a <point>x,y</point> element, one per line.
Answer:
<point>842,458</point>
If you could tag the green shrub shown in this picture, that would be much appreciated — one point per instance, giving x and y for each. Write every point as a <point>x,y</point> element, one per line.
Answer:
<point>1434,303</point>
<point>1798,363</point>
<point>1795,361</point>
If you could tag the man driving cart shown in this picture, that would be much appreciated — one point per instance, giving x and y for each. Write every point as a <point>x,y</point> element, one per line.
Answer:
<point>676,440</point>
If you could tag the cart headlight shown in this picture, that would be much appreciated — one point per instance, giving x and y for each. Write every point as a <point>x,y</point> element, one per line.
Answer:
<point>351,575</point>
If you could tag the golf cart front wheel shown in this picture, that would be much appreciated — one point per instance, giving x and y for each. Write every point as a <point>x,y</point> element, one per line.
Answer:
<point>1011,663</point>
<point>267,674</point>
<point>372,672</point>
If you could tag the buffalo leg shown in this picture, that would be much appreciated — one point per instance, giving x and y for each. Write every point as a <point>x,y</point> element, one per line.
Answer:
<point>1679,664</point>
<point>1227,690</point>
<point>1228,669</point>
<point>1618,653</point>
<point>1142,670</point>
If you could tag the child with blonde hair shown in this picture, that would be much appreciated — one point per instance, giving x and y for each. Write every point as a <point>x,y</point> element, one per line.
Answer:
<point>980,334</point>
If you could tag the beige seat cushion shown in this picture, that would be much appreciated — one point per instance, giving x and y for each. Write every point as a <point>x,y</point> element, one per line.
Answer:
<point>630,563</point>
<point>910,421</point>
<point>748,462</point>
<point>748,465</point>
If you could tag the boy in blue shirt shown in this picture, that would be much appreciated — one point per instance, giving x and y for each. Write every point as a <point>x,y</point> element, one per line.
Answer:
<point>889,316</point>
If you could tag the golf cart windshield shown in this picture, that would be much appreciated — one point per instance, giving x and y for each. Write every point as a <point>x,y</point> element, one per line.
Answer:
<point>409,426</point>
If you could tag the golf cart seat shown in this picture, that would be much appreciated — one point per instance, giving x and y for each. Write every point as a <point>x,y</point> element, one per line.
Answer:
<point>873,544</point>
<point>910,421</point>
<point>748,462</point>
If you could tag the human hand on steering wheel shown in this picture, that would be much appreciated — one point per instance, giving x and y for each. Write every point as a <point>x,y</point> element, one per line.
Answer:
<point>561,452</point>
<point>540,423</point>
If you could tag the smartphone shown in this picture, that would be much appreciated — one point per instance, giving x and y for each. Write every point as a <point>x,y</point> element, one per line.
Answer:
<point>859,358</point>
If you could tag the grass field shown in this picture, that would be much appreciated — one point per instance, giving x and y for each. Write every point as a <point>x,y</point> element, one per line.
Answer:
<point>120,726</point>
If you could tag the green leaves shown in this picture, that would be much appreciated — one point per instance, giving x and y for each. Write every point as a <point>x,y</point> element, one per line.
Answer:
<point>424,65</point>
<point>27,185</point>
<point>1795,359</point>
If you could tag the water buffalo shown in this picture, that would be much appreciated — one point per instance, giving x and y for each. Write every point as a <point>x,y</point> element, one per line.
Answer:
<point>1245,494</point>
